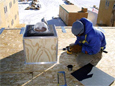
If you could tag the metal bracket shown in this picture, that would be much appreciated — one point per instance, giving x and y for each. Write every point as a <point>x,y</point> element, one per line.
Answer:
<point>64,78</point>
<point>63,29</point>
<point>1,30</point>
<point>22,30</point>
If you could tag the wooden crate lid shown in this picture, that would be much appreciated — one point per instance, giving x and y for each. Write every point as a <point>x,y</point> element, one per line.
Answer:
<point>71,8</point>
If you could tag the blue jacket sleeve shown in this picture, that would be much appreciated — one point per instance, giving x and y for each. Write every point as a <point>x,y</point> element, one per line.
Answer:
<point>93,47</point>
<point>77,41</point>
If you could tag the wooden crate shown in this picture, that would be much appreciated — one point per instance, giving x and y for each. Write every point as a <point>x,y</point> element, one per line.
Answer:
<point>105,12</point>
<point>70,13</point>
<point>41,49</point>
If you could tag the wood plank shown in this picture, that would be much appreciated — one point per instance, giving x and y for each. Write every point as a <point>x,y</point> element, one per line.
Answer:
<point>41,49</point>
<point>10,42</point>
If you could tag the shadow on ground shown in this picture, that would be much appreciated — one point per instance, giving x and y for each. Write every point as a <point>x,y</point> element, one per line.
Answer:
<point>80,59</point>
<point>56,22</point>
<point>14,71</point>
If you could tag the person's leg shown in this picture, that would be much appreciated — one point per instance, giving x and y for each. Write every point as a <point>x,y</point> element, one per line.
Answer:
<point>83,59</point>
<point>96,58</point>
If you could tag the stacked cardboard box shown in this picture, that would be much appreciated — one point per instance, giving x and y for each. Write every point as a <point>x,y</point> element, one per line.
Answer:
<point>70,13</point>
<point>105,12</point>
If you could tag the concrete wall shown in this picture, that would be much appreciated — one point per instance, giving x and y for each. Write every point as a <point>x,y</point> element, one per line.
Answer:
<point>9,14</point>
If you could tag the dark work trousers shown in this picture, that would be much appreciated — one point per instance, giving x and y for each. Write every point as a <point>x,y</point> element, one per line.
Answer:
<point>84,59</point>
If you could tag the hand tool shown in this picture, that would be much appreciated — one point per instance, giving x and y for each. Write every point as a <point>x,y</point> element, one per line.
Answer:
<point>64,78</point>
<point>69,50</point>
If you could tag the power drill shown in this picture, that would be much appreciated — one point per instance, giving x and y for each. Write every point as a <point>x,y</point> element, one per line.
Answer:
<point>69,50</point>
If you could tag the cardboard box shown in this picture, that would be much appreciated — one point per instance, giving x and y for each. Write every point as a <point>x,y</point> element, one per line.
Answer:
<point>70,13</point>
<point>105,12</point>
<point>40,49</point>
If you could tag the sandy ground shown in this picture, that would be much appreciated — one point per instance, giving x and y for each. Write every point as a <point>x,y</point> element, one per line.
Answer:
<point>13,71</point>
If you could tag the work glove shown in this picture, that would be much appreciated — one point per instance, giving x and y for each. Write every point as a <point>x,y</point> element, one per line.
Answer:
<point>75,48</point>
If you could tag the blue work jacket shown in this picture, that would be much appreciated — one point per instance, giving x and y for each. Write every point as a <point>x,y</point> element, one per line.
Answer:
<point>92,39</point>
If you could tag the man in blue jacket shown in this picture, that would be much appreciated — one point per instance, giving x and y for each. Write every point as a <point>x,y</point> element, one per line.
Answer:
<point>91,40</point>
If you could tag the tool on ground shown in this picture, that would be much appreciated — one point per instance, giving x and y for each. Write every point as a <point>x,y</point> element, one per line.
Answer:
<point>70,67</point>
<point>63,29</point>
<point>62,72</point>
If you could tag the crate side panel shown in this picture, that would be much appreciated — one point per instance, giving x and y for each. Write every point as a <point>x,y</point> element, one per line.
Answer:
<point>40,50</point>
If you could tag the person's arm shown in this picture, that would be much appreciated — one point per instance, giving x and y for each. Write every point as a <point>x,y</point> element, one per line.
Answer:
<point>77,41</point>
<point>93,47</point>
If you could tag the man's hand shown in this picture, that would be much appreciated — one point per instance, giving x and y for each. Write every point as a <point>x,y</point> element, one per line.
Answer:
<point>75,48</point>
